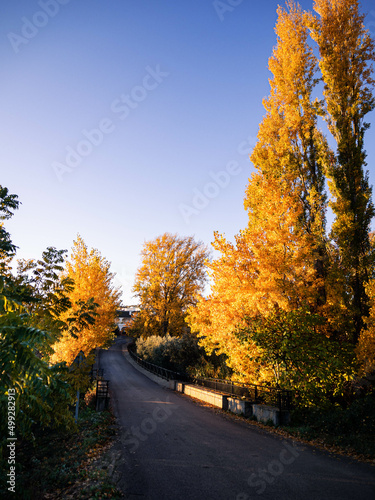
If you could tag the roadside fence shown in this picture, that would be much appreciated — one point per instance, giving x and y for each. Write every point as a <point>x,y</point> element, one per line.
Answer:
<point>258,394</point>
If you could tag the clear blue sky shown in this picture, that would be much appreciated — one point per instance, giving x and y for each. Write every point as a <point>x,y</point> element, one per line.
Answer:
<point>156,96</point>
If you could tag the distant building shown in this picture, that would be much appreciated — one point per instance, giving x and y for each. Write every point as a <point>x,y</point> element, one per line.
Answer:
<point>125,316</point>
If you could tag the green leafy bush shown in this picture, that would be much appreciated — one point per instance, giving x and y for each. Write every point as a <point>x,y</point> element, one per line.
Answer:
<point>181,354</point>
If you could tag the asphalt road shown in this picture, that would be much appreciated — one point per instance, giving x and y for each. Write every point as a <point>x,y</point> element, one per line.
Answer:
<point>176,449</point>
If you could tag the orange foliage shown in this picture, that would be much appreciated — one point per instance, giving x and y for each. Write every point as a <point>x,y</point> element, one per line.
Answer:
<point>93,279</point>
<point>171,277</point>
<point>273,261</point>
<point>366,344</point>
<point>271,265</point>
<point>283,262</point>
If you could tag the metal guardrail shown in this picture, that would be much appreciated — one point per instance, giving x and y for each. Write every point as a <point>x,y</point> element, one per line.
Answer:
<point>258,394</point>
<point>96,373</point>
<point>157,370</point>
<point>102,394</point>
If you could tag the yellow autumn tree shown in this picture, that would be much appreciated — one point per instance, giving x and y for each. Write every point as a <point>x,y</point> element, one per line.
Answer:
<point>270,266</point>
<point>290,145</point>
<point>366,345</point>
<point>170,279</point>
<point>94,295</point>
<point>277,262</point>
<point>287,300</point>
<point>365,349</point>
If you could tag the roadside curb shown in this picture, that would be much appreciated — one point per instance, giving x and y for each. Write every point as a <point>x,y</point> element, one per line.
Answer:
<point>167,384</point>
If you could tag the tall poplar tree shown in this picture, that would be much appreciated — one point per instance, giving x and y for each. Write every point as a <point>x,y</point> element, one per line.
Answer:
<point>278,262</point>
<point>346,53</point>
<point>290,146</point>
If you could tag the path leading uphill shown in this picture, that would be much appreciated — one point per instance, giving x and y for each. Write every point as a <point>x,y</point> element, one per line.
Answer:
<point>174,449</point>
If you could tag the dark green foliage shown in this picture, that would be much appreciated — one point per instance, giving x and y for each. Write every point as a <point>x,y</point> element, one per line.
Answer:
<point>29,306</point>
<point>8,203</point>
<point>57,459</point>
<point>352,428</point>
<point>83,317</point>
<point>302,359</point>
<point>42,396</point>
<point>44,291</point>
<point>347,52</point>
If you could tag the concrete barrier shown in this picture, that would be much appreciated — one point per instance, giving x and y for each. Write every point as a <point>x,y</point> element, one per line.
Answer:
<point>214,398</point>
<point>179,387</point>
<point>265,413</point>
<point>168,384</point>
<point>240,407</point>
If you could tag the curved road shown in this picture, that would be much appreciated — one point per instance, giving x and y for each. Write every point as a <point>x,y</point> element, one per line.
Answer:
<point>174,449</point>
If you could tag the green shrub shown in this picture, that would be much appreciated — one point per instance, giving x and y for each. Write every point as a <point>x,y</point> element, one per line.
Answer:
<point>181,354</point>
<point>352,427</point>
